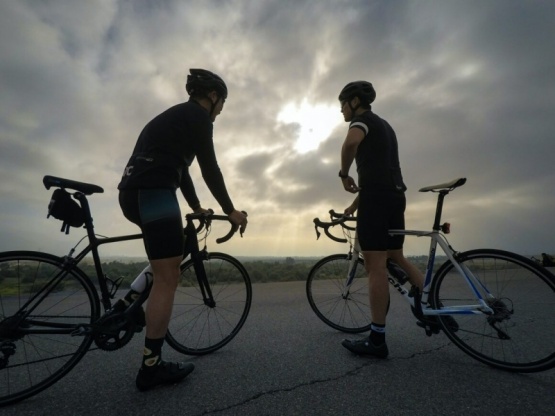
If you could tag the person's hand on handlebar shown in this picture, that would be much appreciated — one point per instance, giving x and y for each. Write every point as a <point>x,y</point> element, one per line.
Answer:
<point>201,210</point>
<point>240,219</point>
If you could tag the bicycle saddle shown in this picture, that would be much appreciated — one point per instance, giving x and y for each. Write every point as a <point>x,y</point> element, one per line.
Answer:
<point>86,188</point>
<point>449,186</point>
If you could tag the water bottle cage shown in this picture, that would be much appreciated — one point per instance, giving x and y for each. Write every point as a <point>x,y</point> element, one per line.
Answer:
<point>114,285</point>
<point>398,273</point>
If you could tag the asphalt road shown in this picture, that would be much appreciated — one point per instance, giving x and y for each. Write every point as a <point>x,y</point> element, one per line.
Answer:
<point>286,362</point>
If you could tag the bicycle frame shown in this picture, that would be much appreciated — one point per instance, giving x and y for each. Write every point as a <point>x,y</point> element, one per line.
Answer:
<point>436,238</point>
<point>191,247</point>
<point>94,242</point>
<point>472,281</point>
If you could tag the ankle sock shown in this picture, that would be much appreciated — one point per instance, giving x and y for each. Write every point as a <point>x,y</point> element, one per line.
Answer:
<point>152,353</point>
<point>377,334</point>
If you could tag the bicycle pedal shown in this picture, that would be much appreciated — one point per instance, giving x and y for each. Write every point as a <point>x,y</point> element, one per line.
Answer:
<point>8,348</point>
<point>81,330</point>
<point>430,329</point>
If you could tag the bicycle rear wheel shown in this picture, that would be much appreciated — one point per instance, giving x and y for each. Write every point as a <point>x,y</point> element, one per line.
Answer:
<point>520,335</point>
<point>198,327</point>
<point>347,310</point>
<point>36,345</point>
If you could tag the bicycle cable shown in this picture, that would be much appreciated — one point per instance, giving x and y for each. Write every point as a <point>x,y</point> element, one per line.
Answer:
<point>76,245</point>
<point>207,229</point>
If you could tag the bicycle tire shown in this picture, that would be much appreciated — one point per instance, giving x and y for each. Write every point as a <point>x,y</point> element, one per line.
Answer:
<point>40,359</point>
<point>524,305</point>
<point>324,289</point>
<point>196,328</point>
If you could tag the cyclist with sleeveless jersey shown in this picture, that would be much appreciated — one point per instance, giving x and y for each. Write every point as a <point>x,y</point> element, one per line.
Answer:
<point>158,166</point>
<point>380,203</point>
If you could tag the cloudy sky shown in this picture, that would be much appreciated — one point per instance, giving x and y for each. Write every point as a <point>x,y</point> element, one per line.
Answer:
<point>467,85</point>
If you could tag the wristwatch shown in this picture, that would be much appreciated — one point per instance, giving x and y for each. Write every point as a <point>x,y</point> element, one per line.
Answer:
<point>343,176</point>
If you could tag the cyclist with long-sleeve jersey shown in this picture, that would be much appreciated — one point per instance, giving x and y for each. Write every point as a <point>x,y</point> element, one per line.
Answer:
<point>159,165</point>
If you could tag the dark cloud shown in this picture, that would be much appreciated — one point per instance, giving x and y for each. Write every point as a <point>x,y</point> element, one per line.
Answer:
<point>466,85</point>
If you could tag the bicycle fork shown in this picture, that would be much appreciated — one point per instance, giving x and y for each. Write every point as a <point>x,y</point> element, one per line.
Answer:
<point>204,286</point>
<point>353,265</point>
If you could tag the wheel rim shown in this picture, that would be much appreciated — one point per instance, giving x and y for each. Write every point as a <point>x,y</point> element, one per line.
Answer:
<point>198,327</point>
<point>520,335</point>
<point>347,311</point>
<point>39,360</point>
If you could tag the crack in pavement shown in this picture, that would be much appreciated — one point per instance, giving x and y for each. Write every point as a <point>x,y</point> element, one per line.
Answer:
<point>349,373</point>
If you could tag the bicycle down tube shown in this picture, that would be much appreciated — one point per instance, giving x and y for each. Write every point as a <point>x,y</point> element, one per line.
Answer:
<point>435,239</point>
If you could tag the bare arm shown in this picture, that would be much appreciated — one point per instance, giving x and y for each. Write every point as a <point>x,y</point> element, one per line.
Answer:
<point>351,209</point>
<point>348,153</point>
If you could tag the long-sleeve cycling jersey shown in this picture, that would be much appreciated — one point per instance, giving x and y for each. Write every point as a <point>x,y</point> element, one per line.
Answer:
<point>166,148</point>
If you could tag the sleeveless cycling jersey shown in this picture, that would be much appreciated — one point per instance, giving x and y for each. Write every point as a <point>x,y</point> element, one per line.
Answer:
<point>166,148</point>
<point>377,156</point>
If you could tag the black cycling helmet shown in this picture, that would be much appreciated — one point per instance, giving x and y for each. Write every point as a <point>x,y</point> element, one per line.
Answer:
<point>201,79</point>
<point>361,89</point>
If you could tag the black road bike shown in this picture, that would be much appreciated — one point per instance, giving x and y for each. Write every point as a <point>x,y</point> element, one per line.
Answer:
<point>52,313</point>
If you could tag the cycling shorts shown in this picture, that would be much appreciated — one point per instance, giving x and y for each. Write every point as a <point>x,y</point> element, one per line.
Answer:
<point>378,212</point>
<point>157,213</point>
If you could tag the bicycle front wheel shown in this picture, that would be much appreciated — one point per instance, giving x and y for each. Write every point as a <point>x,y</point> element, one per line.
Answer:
<point>41,304</point>
<point>201,324</point>
<point>344,308</point>
<point>520,334</point>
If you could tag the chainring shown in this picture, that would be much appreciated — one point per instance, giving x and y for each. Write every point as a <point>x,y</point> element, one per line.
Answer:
<point>114,332</point>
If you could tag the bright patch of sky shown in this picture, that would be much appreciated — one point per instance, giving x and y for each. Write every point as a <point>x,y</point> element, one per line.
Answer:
<point>315,123</point>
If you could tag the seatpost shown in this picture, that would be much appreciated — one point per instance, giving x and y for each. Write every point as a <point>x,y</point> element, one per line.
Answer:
<point>439,209</point>
<point>87,211</point>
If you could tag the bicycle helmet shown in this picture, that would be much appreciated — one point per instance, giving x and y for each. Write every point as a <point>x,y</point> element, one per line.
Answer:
<point>203,80</point>
<point>361,89</point>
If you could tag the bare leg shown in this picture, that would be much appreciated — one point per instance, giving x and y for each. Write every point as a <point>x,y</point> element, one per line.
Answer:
<point>160,300</point>
<point>154,370</point>
<point>415,276</point>
<point>375,264</point>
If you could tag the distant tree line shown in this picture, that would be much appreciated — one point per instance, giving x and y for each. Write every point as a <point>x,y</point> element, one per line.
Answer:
<point>260,271</point>
<point>279,270</point>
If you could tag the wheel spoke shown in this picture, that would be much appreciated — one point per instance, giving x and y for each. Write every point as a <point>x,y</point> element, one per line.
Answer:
<point>197,328</point>
<point>519,335</point>
<point>43,348</point>
<point>325,291</point>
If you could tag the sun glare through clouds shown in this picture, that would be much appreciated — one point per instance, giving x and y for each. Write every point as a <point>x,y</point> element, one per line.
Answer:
<point>316,122</point>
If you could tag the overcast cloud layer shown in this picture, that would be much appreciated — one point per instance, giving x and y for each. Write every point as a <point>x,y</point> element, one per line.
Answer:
<point>468,87</point>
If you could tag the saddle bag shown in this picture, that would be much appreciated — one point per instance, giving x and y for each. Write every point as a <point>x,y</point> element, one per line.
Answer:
<point>64,208</point>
